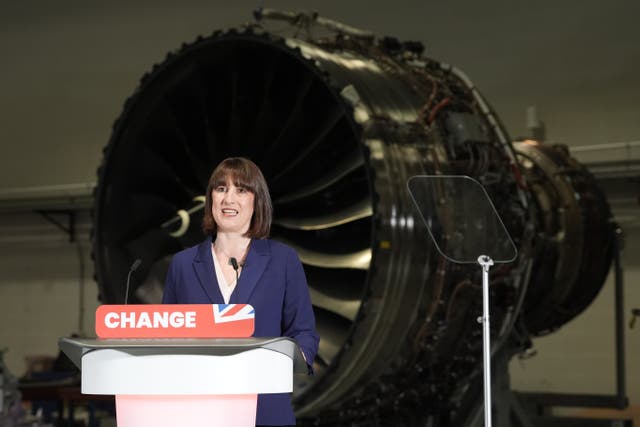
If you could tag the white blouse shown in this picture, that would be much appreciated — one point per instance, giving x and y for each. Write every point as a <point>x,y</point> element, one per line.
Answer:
<point>226,289</point>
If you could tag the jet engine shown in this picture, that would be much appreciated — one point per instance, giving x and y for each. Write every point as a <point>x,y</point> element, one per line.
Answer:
<point>338,120</point>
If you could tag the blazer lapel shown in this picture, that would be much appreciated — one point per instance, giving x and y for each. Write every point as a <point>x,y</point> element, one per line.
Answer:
<point>254,265</point>
<point>203,266</point>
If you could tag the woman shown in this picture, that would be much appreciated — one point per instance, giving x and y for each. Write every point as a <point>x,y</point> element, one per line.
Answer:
<point>238,264</point>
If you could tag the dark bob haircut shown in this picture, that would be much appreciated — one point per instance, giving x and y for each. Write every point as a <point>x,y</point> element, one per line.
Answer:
<point>242,173</point>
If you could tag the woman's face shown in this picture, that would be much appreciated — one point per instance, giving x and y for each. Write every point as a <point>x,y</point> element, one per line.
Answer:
<point>232,208</point>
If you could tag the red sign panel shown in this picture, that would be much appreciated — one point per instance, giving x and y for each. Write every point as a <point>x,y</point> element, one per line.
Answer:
<point>175,321</point>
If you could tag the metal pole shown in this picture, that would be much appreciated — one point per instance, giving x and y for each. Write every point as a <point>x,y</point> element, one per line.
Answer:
<point>621,387</point>
<point>486,263</point>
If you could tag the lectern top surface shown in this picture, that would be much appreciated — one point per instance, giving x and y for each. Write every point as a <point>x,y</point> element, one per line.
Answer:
<point>75,348</point>
<point>241,343</point>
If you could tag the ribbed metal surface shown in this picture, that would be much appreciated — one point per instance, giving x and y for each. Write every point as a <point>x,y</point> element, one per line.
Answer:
<point>575,238</point>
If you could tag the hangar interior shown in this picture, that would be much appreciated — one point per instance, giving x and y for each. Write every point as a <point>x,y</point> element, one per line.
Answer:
<point>73,66</point>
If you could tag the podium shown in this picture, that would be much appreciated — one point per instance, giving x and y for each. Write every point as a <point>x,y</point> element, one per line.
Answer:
<point>187,382</point>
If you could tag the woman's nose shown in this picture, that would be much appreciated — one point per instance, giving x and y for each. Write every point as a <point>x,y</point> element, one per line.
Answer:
<point>228,196</point>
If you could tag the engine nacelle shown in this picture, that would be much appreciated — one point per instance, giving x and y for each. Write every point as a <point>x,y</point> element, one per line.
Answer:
<point>338,124</point>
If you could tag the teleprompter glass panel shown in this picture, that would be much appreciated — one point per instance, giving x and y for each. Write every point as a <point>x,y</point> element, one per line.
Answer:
<point>461,218</point>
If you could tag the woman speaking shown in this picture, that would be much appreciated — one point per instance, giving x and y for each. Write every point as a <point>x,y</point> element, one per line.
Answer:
<point>238,264</point>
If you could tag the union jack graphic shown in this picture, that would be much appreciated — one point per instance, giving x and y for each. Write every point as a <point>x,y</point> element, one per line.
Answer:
<point>224,313</point>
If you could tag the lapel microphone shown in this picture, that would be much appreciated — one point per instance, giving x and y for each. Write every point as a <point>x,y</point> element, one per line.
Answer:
<point>235,265</point>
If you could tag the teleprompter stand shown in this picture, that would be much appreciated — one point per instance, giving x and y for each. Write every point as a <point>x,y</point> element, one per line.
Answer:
<point>465,228</point>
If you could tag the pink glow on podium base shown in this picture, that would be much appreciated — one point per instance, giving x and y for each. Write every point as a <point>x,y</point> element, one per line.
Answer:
<point>237,410</point>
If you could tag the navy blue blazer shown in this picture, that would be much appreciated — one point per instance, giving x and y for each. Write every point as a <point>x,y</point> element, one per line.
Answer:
<point>274,283</point>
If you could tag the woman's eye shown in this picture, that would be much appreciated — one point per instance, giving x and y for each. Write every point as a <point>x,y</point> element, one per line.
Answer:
<point>242,190</point>
<point>220,189</point>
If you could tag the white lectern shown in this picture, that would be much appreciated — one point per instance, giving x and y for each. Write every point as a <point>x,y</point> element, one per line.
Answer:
<point>185,382</point>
